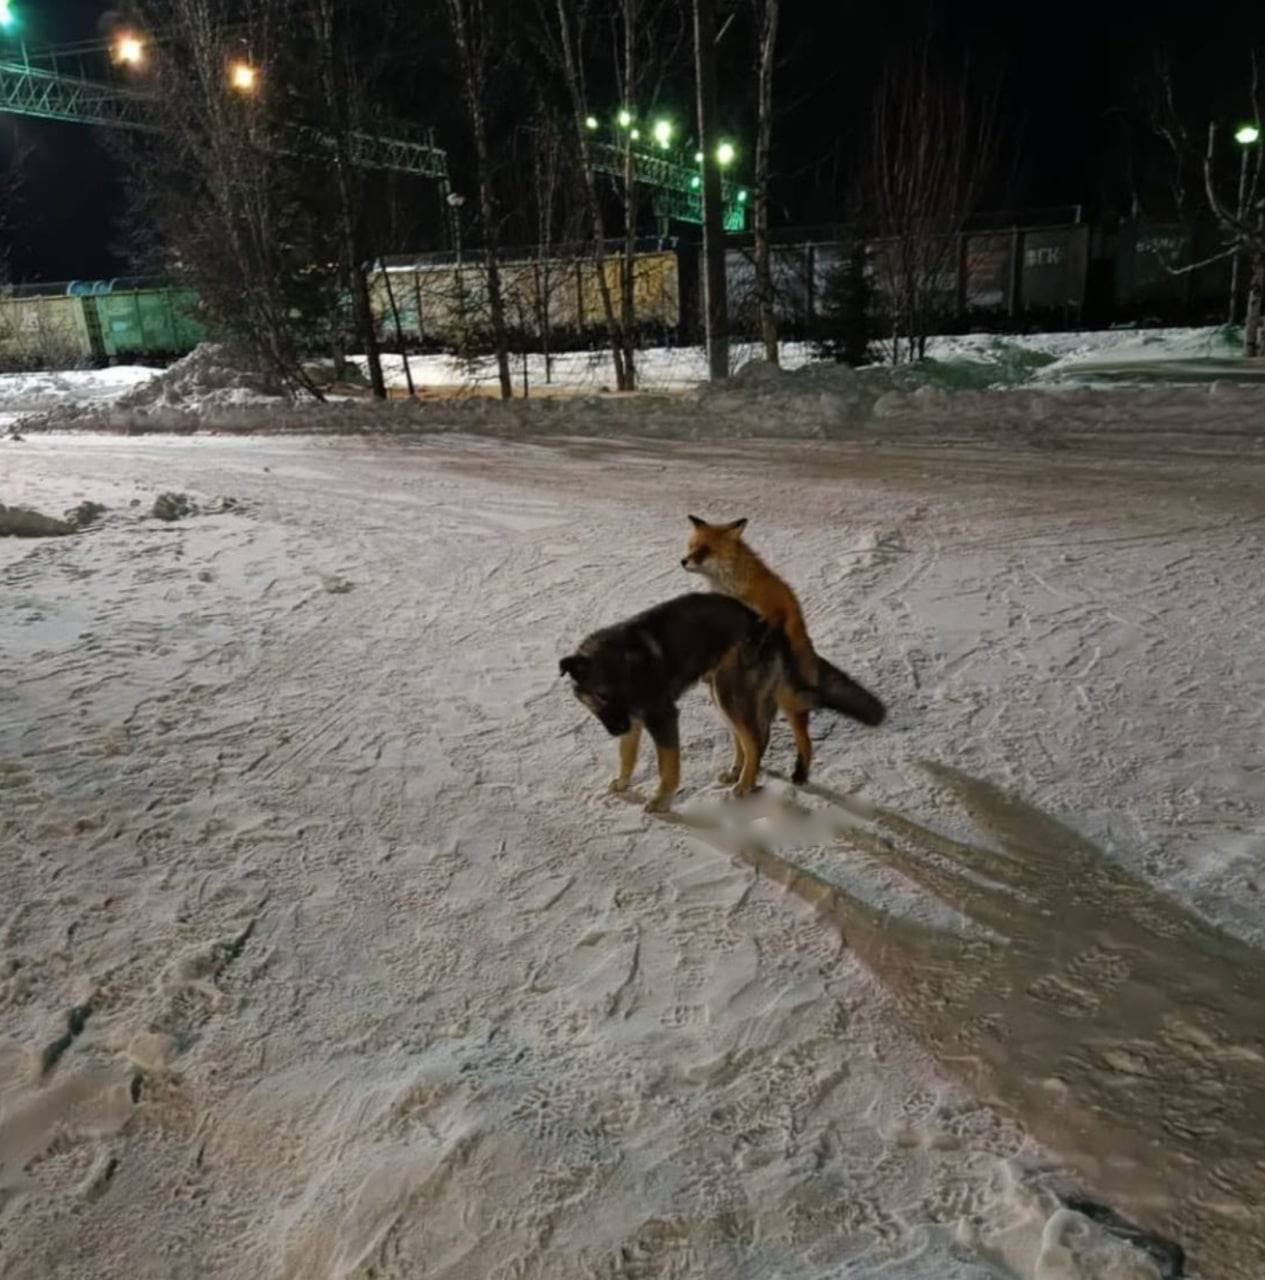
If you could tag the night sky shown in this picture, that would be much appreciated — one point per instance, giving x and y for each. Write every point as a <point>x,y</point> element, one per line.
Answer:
<point>1066,72</point>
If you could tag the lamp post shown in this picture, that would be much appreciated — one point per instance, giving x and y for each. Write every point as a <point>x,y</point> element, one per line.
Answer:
<point>1246,136</point>
<point>455,200</point>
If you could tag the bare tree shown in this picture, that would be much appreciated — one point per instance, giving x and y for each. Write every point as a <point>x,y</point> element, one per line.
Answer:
<point>933,147</point>
<point>343,99</point>
<point>240,216</point>
<point>1240,217</point>
<point>569,33</point>
<point>716,301</point>
<point>767,14</point>
<point>473,37</point>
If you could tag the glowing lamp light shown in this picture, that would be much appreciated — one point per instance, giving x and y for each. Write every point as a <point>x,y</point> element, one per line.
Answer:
<point>698,157</point>
<point>742,195</point>
<point>590,122</point>
<point>663,133</point>
<point>624,118</point>
<point>243,77</point>
<point>725,154</point>
<point>130,50</point>
<point>635,135</point>
<point>695,182</point>
<point>1247,135</point>
<point>8,19</point>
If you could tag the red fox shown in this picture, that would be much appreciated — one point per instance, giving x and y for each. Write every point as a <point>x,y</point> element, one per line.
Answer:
<point>718,552</point>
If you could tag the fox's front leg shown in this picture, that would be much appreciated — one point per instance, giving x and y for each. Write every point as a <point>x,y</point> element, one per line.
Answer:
<point>629,745</point>
<point>667,744</point>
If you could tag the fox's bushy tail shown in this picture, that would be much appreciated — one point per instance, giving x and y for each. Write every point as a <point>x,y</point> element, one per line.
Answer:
<point>833,690</point>
<point>839,692</point>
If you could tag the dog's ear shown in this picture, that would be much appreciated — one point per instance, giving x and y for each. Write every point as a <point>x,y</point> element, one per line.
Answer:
<point>696,522</point>
<point>736,526</point>
<point>573,665</point>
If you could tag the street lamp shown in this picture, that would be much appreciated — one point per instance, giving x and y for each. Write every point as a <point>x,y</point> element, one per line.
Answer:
<point>624,118</point>
<point>455,200</point>
<point>8,19</point>
<point>243,77</point>
<point>1246,136</point>
<point>663,133</point>
<point>698,157</point>
<point>725,154</point>
<point>590,122</point>
<point>635,135</point>
<point>130,50</point>
<point>742,195</point>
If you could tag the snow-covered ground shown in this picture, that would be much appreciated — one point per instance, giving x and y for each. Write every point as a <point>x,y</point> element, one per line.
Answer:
<point>324,952</point>
<point>1076,358</point>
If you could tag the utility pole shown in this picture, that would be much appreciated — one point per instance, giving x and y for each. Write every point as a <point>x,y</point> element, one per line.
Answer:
<point>716,302</point>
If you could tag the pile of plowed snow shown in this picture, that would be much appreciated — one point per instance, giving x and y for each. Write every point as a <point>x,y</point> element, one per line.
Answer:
<point>210,375</point>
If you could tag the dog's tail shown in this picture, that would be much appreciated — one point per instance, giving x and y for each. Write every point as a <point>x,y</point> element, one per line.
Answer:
<point>834,690</point>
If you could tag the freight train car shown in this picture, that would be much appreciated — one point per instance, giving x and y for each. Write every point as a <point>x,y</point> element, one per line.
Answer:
<point>95,322</point>
<point>439,301</point>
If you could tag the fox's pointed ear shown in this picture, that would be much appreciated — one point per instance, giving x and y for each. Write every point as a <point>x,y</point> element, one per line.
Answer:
<point>737,526</point>
<point>573,665</point>
<point>696,522</point>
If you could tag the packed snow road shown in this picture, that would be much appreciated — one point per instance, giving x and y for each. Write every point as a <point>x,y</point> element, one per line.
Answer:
<point>323,952</point>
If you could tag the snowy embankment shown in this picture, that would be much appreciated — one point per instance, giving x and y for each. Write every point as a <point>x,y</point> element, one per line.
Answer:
<point>325,953</point>
<point>1049,390</point>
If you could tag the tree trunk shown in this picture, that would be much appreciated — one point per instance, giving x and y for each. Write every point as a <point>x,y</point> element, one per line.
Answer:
<point>473,74</point>
<point>338,96</point>
<point>766,295</point>
<point>399,330</point>
<point>627,275</point>
<point>716,300</point>
<point>575,88</point>
<point>1252,321</point>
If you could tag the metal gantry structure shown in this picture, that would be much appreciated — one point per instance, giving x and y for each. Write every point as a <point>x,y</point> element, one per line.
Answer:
<point>73,83</point>
<point>58,83</point>
<point>676,190</point>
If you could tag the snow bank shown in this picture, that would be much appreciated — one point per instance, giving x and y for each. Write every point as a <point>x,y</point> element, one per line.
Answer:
<point>32,392</point>
<point>1038,389</point>
<point>210,376</point>
<point>829,402</point>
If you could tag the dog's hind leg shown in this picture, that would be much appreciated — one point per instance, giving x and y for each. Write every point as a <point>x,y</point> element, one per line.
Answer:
<point>629,745</point>
<point>724,687</point>
<point>663,727</point>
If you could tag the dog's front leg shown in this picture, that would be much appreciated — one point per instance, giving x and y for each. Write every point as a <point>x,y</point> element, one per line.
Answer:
<point>663,728</point>
<point>629,745</point>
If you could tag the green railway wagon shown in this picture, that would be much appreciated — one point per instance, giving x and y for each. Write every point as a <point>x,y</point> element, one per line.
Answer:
<point>147,322</point>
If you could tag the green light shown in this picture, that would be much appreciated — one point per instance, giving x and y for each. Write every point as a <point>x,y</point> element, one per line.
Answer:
<point>698,157</point>
<point>635,135</point>
<point>663,133</point>
<point>7,17</point>
<point>725,154</point>
<point>695,182</point>
<point>624,118</point>
<point>590,122</point>
<point>742,195</point>
<point>1247,135</point>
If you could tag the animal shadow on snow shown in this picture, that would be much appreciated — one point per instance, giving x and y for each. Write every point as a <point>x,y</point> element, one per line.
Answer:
<point>1127,1034</point>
